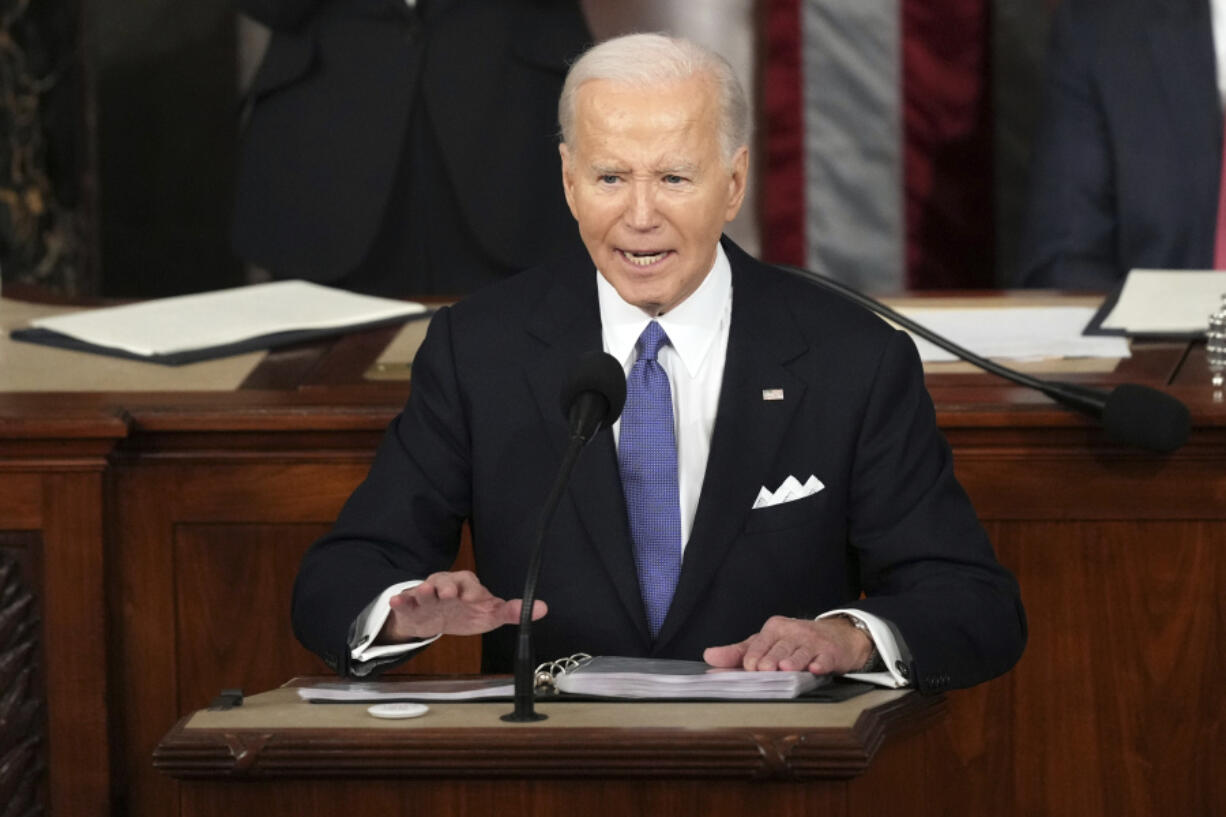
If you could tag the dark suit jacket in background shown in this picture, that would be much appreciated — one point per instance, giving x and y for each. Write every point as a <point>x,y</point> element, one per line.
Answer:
<point>1126,163</point>
<point>371,121</point>
<point>482,436</point>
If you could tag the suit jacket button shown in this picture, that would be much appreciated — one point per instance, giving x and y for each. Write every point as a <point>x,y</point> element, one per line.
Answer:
<point>902,669</point>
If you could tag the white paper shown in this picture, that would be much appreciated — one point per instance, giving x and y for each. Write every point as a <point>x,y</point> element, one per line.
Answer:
<point>210,319</point>
<point>1167,301</point>
<point>459,689</point>
<point>1014,333</point>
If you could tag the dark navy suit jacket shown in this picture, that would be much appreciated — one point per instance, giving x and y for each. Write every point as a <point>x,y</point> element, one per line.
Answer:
<point>482,436</point>
<point>1127,158</point>
<point>332,105</point>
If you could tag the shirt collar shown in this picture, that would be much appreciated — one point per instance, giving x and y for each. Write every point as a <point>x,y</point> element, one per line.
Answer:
<point>692,326</point>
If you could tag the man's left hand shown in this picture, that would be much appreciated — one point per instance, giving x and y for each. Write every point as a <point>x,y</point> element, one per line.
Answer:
<point>824,647</point>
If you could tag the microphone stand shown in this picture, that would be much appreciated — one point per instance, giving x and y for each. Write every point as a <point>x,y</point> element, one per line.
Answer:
<point>873,305</point>
<point>524,681</point>
<point>592,399</point>
<point>1085,399</point>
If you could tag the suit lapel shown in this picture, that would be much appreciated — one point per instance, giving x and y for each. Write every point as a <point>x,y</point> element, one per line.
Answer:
<point>568,323</point>
<point>749,430</point>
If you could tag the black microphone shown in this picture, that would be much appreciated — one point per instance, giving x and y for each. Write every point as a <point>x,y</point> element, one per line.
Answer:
<point>592,399</point>
<point>1130,414</point>
<point>594,394</point>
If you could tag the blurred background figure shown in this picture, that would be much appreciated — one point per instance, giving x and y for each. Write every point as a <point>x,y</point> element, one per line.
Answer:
<point>405,148</point>
<point>1128,157</point>
<point>892,136</point>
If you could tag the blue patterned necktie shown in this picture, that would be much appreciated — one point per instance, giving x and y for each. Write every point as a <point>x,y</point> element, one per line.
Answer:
<point>647,454</point>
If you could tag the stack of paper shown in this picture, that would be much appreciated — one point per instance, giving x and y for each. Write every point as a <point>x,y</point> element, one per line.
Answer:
<point>460,689</point>
<point>1014,333</point>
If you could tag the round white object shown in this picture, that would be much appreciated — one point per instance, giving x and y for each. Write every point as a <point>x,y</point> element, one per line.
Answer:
<point>398,710</point>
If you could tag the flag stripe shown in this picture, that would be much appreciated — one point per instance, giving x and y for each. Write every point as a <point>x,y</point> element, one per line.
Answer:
<point>853,161</point>
<point>896,138</point>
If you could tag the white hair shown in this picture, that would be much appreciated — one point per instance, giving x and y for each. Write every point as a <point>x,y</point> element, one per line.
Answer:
<point>644,60</point>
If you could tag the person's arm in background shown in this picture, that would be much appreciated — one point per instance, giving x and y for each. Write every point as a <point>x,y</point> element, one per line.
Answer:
<point>1069,238</point>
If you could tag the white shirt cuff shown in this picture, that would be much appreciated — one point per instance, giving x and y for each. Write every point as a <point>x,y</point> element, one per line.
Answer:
<point>370,621</point>
<point>887,648</point>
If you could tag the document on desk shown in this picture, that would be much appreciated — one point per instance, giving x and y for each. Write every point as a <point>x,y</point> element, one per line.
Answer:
<point>1172,304</point>
<point>1014,332</point>
<point>443,689</point>
<point>188,328</point>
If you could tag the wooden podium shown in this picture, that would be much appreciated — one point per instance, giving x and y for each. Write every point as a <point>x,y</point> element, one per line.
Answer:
<point>872,754</point>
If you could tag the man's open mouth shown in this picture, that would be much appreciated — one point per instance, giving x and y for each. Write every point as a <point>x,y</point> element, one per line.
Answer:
<point>643,259</point>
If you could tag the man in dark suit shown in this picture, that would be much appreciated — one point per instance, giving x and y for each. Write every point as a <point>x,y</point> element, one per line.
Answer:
<point>806,466</point>
<point>1126,165</point>
<point>405,148</point>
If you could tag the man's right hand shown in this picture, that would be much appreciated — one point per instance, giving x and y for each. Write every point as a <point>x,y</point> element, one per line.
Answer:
<point>451,604</point>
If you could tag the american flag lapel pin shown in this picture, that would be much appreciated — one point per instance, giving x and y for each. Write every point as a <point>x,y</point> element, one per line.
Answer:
<point>772,394</point>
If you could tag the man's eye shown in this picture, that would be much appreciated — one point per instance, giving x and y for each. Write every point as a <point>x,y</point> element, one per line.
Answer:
<point>609,178</point>
<point>673,178</point>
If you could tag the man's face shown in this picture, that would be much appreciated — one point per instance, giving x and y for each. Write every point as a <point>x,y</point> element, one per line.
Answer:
<point>646,181</point>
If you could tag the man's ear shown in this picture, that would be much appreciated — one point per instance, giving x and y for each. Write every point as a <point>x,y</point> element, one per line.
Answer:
<point>568,178</point>
<point>738,182</point>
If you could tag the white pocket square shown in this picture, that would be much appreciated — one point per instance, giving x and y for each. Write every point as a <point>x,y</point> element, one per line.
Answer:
<point>789,491</point>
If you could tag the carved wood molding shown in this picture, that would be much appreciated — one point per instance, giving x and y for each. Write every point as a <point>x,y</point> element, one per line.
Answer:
<point>22,729</point>
<point>520,753</point>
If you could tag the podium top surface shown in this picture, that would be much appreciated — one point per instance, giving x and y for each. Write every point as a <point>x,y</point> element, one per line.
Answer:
<point>282,709</point>
<point>275,735</point>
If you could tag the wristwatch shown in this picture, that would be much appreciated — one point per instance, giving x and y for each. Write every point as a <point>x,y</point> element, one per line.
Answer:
<point>874,659</point>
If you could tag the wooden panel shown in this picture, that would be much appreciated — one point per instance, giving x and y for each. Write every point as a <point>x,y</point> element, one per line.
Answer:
<point>232,588</point>
<point>1115,707</point>
<point>518,798</point>
<point>21,502</point>
<point>258,491</point>
<point>205,557</point>
<point>151,501</point>
<point>1033,483</point>
<point>75,619</point>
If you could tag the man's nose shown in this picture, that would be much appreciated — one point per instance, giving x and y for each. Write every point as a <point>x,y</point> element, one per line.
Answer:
<point>641,211</point>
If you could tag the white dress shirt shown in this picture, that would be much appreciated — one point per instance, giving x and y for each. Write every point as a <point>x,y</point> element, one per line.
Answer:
<point>694,362</point>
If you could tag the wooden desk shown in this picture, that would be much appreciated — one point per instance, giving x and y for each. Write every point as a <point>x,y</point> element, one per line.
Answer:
<point>158,534</point>
<point>278,755</point>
